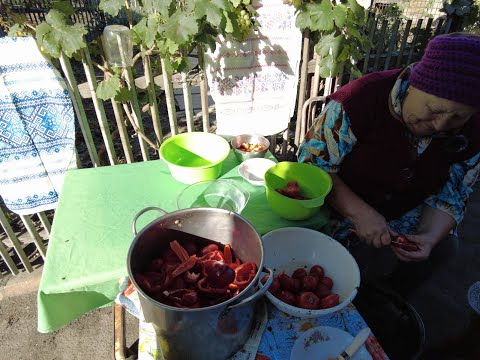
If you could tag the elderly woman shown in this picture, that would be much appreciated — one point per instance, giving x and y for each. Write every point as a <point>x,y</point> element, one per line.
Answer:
<point>403,149</point>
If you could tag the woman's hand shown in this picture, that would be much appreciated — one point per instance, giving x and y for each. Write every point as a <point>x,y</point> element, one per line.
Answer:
<point>425,243</point>
<point>434,226</point>
<point>372,228</point>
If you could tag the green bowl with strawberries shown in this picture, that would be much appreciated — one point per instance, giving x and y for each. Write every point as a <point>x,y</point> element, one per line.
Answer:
<point>296,191</point>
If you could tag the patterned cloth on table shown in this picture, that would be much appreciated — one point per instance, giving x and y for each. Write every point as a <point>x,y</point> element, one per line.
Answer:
<point>254,83</point>
<point>37,128</point>
<point>276,343</point>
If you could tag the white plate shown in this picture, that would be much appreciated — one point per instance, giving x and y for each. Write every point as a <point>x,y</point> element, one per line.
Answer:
<point>323,343</point>
<point>253,170</point>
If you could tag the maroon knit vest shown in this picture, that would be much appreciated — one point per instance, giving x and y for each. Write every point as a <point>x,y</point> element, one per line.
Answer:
<point>382,168</point>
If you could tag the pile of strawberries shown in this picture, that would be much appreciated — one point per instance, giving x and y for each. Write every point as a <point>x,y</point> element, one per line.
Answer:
<point>292,190</point>
<point>310,290</point>
<point>193,275</point>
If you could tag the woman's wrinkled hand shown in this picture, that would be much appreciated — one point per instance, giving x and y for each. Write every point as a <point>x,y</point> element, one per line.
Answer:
<point>425,244</point>
<point>372,228</point>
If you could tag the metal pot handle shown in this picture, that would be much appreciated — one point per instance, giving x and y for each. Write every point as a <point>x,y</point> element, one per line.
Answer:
<point>134,222</point>
<point>261,291</point>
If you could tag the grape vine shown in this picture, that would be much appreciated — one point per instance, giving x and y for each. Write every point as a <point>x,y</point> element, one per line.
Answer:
<point>337,26</point>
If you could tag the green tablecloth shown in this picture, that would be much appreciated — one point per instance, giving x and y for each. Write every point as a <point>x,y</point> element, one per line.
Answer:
<point>91,232</point>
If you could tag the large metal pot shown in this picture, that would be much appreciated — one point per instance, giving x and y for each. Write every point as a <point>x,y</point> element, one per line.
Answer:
<point>213,332</point>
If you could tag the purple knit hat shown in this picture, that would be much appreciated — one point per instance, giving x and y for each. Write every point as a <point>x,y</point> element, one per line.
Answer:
<point>450,69</point>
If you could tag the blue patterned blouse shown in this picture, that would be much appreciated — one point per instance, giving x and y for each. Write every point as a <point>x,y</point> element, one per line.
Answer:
<point>451,199</point>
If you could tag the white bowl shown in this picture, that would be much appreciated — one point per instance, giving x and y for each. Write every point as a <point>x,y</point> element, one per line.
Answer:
<point>253,170</point>
<point>290,248</point>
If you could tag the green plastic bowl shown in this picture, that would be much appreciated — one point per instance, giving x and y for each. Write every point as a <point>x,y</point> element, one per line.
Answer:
<point>195,156</point>
<point>314,182</point>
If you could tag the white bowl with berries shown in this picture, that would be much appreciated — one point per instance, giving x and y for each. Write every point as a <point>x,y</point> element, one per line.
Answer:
<point>314,274</point>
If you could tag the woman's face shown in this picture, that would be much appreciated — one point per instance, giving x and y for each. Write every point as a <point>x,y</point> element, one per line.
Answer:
<point>425,114</point>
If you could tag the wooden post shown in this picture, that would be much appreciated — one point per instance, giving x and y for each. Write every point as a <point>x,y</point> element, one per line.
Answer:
<point>37,239</point>
<point>391,44</point>
<point>373,28</point>
<point>98,104</point>
<point>15,242</point>
<point>303,84</point>
<point>152,98</point>
<point>46,224</point>
<point>79,109</point>
<point>137,113</point>
<point>172,113</point>
<point>203,90</point>
<point>403,43</point>
<point>414,41</point>
<point>379,48</point>
<point>187,100</point>
<point>122,131</point>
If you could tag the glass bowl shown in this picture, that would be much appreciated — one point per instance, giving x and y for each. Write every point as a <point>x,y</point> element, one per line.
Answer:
<point>223,194</point>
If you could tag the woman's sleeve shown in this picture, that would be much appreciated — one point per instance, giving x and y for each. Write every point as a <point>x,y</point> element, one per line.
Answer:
<point>329,139</point>
<point>454,195</point>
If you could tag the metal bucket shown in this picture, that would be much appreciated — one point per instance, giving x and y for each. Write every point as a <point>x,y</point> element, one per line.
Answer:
<point>213,332</point>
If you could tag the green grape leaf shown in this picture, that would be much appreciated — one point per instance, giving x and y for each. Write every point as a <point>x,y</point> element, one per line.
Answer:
<point>151,31</point>
<point>46,42</point>
<point>70,38</point>
<point>355,53</point>
<point>339,15</point>
<point>180,64</point>
<point>161,6</point>
<point>40,32</point>
<point>211,9</point>
<point>328,67</point>
<point>51,46</point>
<point>318,16</point>
<point>123,95</point>
<point>325,16</point>
<point>64,6</point>
<point>344,54</point>
<point>19,18</point>
<point>168,67</point>
<point>56,19</point>
<point>338,43</point>
<point>139,32</point>
<point>111,7</point>
<point>208,41</point>
<point>229,28</point>
<point>352,31</point>
<point>171,46</point>
<point>56,35</point>
<point>357,9</point>
<point>108,88</point>
<point>323,46</point>
<point>354,70</point>
<point>188,6</point>
<point>181,27</point>
<point>235,3</point>
<point>14,29</point>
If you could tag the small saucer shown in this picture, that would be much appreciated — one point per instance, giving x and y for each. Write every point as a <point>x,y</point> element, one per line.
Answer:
<point>253,170</point>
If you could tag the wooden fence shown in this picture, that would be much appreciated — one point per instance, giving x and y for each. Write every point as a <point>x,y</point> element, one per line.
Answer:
<point>166,105</point>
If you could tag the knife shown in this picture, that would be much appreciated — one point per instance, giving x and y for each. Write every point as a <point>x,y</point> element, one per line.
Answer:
<point>355,345</point>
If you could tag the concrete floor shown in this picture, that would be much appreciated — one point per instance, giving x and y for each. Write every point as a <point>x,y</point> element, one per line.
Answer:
<point>441,302</point>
